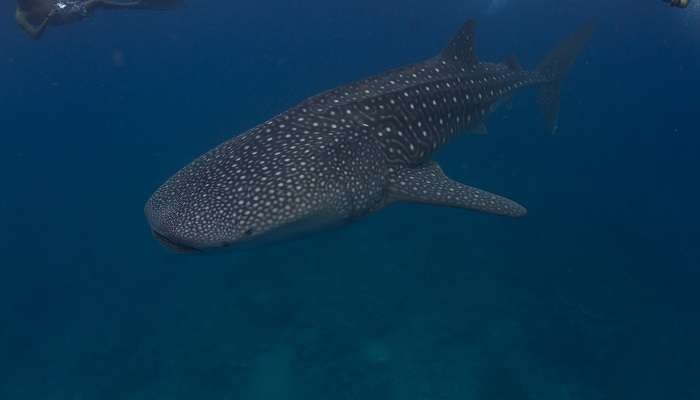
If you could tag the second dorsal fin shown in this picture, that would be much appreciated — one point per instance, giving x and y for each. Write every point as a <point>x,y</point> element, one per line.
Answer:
<point>461,47</point>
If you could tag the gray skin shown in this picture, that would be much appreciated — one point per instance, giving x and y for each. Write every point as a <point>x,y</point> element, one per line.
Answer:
<point>350,151</point>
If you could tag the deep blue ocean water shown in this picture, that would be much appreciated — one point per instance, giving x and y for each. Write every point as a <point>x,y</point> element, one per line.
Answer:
<point>593,296</point>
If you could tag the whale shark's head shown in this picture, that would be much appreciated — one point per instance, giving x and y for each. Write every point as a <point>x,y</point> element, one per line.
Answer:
<point>266,184</point>
<point>236,193</point>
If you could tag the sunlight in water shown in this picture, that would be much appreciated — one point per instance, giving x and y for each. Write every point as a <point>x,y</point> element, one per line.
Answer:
<point>691,17</point>
<point>496,6</point>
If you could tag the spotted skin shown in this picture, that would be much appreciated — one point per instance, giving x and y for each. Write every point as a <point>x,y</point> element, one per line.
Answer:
<point>341,155</point>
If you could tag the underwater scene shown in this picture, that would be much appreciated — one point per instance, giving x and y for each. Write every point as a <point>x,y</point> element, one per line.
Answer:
<point>344,200</point>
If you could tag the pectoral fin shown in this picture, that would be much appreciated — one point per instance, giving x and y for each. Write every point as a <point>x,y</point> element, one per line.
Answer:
<point>428,184</point>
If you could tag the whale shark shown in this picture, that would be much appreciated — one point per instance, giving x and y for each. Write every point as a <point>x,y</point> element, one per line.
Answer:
<point>350,151</point>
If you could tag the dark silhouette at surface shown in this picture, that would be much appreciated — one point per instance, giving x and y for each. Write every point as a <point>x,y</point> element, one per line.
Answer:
<point>35,15</point>
<point>678,3</point>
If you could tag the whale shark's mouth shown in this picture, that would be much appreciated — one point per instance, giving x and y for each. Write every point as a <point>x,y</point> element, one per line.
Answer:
<point>173,245</point>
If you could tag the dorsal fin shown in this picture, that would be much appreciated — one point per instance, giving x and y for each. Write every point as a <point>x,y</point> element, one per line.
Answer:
<point>461,47</point>
<point>513,63</point>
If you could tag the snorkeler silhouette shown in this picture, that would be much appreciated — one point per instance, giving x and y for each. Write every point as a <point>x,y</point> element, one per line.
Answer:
<point>678,3</point>
<point>34,15</point>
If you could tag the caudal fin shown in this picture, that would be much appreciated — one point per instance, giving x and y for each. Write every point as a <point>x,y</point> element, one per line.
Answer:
<point>553,69</point>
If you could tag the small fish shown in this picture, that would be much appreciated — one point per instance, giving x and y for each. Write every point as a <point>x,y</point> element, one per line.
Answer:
<point>353,150</point>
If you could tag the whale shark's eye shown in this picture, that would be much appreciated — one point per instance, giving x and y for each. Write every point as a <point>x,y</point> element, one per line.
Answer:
<point>248,232</point>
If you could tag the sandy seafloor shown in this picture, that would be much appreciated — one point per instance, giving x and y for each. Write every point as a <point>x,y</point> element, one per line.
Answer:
<point>593,296</point>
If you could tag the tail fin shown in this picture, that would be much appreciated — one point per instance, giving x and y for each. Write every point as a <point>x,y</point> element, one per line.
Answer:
<point>553,69</point>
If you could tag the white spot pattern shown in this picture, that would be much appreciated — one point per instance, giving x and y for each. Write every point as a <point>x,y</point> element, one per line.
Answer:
<point>333,156</point>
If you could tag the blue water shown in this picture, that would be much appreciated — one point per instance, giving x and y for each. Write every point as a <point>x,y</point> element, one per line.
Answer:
<point>592,296</point>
